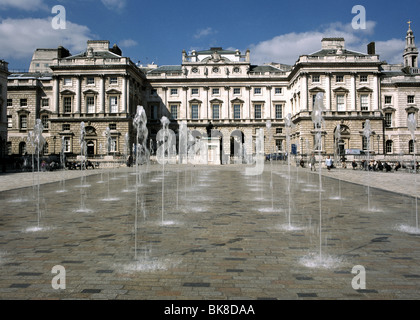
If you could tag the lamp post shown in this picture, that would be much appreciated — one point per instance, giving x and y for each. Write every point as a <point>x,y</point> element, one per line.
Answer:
<point>378,137</point>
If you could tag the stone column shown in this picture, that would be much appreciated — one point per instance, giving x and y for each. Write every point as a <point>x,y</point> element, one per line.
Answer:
<point>353,91</point>
<point>226,106</point>
<point>102,94</point>
<point>375,93</point>
<point>56,95</point>
<point>304,92</point>
<point>124,94</point>
<point>328,91</point>
<point>78,94</point>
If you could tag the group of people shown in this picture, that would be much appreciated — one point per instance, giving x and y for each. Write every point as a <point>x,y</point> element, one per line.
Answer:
<point>373,165</point>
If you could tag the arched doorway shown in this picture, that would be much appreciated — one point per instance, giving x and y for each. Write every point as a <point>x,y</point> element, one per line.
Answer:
<point>90,148</point>
<point>343,141</point>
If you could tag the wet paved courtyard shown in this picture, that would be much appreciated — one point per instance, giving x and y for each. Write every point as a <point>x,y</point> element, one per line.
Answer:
<point>209,232</point>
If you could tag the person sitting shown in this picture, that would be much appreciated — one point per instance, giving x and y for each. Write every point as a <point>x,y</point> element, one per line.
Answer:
<point>302,163</point>
<point>354,164</point>
<point>398,166</point>
<point>388,167</point>
<point>380,166</point>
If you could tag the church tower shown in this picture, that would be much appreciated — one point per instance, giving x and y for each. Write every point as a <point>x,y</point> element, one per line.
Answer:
<point>410,52</point>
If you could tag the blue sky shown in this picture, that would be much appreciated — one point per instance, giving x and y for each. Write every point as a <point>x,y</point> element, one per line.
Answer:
<point>158,31</point>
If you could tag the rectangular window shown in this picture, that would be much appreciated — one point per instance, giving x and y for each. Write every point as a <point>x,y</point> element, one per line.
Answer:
<point>257,90</point>
<point>9,122</point>
<point>66,127</point>
<point>364,102</point>
<point>112,126</point>
<point>90,81</point>
<point>23,102</point>
<point>67,104</point>
<point>113,80</point>
<point>279,145</point>
<point>315,79</point>
<point>388,120</point>
<point>410,99</point>
<point>279,111</point>
<point>154,114</point>
<point>236,111</point>
<point>45,102</point>
<point>23,122</point>
<point>194,91</point>
<point>236,90</point>
<point>216,110</point>
<point>341,102</point>
<point>215,91</point>
<point>194,111</point>
<point>174,92</point>
<point>113,104</point>
<point>90,104</point>
<point>278,91</point>
<point>363,78</point>
<point>279,130</point>
<point>45,123</point>
<point>10,102</point>
<point>174,111</point>
<point>339,78</point>
<point>388,146</point>
<point>257,111</point>
<point>67,81</point>
<point>388,99</point>
<point>364,143</point>
<point>153,92</point>
<point>67,144</point>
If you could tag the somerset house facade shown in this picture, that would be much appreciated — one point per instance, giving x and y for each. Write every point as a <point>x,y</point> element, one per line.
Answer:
<point>222,89</point>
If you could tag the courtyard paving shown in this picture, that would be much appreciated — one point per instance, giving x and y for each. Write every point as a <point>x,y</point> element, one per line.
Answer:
<point>209,232</point>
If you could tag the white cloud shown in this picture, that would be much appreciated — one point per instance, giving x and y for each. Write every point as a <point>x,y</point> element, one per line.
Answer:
<point>204,32</point>
<point>27,5</point>
<point>114,4</point>
<point>19,38</point>
<point>127,43</point>
<point>288,47</point>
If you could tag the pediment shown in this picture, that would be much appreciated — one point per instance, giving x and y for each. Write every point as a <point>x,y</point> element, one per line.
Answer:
<point>341,89</point>
<point>364,89</point>
<point>90,91</point>
<point>316,89</point>
<point>67,93</point>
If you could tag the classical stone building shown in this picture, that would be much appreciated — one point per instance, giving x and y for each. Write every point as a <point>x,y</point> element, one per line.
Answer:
<point>99,87</point>
<point>222,89</point>
<point>3,107</point>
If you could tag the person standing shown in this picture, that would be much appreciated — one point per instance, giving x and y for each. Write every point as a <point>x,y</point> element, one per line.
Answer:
<point>312,162</point>
<point>328,163</point>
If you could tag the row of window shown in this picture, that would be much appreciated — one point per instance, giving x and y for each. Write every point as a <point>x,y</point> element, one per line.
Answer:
<point>90,81</point>
<point>339,78</point>
<point>410,99</point>
<point>216,111</point>
<point>216,91</point>
<point>90,104</point>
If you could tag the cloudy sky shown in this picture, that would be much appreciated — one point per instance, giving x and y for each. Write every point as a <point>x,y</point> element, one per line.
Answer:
<point>158,31</point>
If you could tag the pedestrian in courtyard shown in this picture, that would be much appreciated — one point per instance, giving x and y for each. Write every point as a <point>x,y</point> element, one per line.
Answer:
<point>354,164</point>
<point>328,163</point>
<point>312,162</point>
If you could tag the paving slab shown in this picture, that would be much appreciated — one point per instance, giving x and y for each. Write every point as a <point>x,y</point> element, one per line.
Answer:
<point>210,233</point>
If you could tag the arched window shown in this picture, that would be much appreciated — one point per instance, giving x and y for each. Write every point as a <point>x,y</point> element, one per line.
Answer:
<point>22,148</point>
